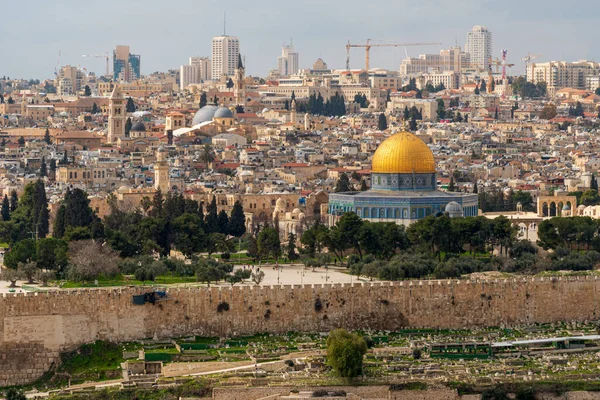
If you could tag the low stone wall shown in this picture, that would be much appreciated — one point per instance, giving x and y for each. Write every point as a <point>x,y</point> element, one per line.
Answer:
<point>22,363</point>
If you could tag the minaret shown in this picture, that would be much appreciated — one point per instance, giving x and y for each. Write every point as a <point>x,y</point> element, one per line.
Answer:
<point>239,89</point>
<point>293,112</point>
<point>116,116</point>
<point>24,106</point>
<point>306,122</point>
<point>161,171</point>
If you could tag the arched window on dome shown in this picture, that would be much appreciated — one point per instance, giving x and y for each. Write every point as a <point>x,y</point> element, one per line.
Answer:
<point>366,213</point>
<point>359,212</point>
<point>389,213</point>
<point>382,213</point>
<point>373,213</point>
<point>397,213</point>
<point>405,213</point>
<point>427,211</point>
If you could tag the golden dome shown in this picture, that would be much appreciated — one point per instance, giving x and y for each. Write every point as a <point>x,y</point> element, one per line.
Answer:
<point>403,153</point>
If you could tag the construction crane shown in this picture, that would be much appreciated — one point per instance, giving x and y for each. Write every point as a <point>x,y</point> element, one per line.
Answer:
<point>529,58</point>
<point>501,63</point>
<point>368,46</point>
<point>105,55</point>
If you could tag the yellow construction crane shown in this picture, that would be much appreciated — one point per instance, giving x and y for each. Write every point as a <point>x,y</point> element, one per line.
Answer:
<point>105,55</point>
<point>368,46</point>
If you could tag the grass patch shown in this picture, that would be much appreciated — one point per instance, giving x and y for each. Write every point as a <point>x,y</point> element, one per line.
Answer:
<point>123,281</point>
<point>96,361</point>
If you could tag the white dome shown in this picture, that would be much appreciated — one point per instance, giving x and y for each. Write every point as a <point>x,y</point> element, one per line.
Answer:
<point>453,207</point>
<point>296,211</point>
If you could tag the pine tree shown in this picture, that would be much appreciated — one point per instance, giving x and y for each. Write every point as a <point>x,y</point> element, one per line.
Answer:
<point>43,168</point>
<point>476,90</point>
<point>5,209</point>
<point>406,113</point>
<point>95,109</point>
<point>286,105</point>
<point>230,83</point>
<point>482,86</point>
<point>52,166</point>
<point>594,183</point>
<point>237,221</point>
<point>65,159</point>
<point>201,215</point>
<point>21,141</point>
<point>343,184</point>
<point>87,91</point>
<point>203,99</point>
<point>14,200</point>
<point>47,138</point>
<point>157,204</point>
<point>496,114</point>
<point>130,107</point>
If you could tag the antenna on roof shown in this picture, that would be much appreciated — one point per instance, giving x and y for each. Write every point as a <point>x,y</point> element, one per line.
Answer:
<point>225,23</point>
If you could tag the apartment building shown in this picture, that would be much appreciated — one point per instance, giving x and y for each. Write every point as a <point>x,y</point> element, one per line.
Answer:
<point>563,74</point>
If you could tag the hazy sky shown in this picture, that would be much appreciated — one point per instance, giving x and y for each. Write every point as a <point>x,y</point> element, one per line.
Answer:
<point>166,33</point>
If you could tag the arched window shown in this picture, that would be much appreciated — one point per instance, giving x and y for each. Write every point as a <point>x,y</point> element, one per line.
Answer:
<point>366,213</point>
<point>397,213</point>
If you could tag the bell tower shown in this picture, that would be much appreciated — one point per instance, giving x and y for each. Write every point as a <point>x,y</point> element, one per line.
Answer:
<point>239,88</point>
<point>161,171</point>
<point>116,116</point>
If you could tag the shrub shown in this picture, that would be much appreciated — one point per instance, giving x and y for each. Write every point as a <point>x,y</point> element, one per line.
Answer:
<point>345,352</point>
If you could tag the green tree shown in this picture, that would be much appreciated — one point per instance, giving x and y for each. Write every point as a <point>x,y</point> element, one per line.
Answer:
<point>363,185</point>
<point>291,249</point>
<point>441,109</point>
<point>208,154</point>
<point>590,198</point>
<point>130,107</point>
<point>451,185</point>
<point>22,252</point>
<point>128,125</point>
<point>77,209</point>
<point>343,184</point>
<point>594,183</point>
<point>382,122</point>
<point>237,222</point>
<point>477,90</point>
<point>189,237</point>
<point>60,222</point>
<point>43,168</point>
<point>269,244</point>
<point>345,353</point>
<point>223,222</point>
<point>21,141</point>
<point>95,109</point>
<point>230,83</point>
<point>482,86</point>
<point>549,111</point>
<point>5,209</point>
<point>47,137</point>
<point>212,218</point>
<point>87,91</point>
<point>51,254</point>
<point>203,100</point>
<point>14,394</point>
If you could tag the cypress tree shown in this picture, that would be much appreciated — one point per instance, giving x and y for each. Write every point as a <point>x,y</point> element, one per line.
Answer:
<point>5,209</point>
<point>291,253</point>
<point>43,168</point>
<point>382,122</point>
<point>128,125</point>
<point>203,99</point>
<point>594,183</point>
<point>212,218</point>
<point>237,222</point>
<point>130,107</point>
<point>363,185</point>
<point>14,200</point>
<point>47,138</point>
<point>59,223</point>
<point>223,222</point>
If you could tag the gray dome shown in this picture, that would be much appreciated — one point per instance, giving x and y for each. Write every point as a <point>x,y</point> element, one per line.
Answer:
<point>204,114</point>
<point>223,112</point>
<point>453,207</point>
<point>138,127</point>
<point>566,207</point>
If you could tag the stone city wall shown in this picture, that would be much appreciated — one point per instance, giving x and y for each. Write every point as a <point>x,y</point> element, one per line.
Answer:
<point>62,320</point>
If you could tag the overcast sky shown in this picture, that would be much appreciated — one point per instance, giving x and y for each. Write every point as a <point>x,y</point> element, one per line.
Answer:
<point>166,33</point>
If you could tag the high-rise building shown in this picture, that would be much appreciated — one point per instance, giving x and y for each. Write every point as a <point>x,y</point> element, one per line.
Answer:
<point>561,74</point>
<point>205,67</point>
<point>225,54</point>
<point>126,66</point>
<point>479,46</point>
<point>452,59</point>
<point>287,63</point>
<point>69,80</point>
<point>197,71</point>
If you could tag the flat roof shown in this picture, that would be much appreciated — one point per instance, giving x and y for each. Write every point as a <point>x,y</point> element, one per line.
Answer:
<point>546,340</point>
